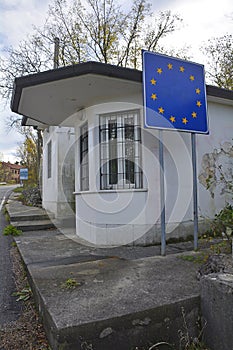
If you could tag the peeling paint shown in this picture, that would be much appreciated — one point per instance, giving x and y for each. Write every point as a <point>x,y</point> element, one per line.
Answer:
<point>217,170</point>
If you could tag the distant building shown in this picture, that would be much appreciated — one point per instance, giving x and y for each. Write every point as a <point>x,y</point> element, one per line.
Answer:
<point>9,172</point>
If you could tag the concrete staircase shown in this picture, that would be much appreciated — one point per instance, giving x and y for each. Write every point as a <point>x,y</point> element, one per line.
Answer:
<point>27,218</point>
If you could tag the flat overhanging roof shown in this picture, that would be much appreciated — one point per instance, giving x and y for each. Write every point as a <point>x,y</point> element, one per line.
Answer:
<point>51,97</point>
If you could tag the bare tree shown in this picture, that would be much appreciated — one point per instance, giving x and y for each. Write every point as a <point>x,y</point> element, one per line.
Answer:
<point>28,57</point>
<point>102,31</point>
<point>219,52</point>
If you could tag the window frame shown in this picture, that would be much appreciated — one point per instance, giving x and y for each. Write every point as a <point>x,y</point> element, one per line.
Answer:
<point>84,157</point>
<point>126,151</point>
<point>49,159</point>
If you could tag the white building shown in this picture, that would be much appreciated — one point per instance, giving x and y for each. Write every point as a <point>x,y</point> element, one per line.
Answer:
<point>97,151</point>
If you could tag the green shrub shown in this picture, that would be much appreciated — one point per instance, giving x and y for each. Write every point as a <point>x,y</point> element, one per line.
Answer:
<point>223,220</point>
<point>11,230</point>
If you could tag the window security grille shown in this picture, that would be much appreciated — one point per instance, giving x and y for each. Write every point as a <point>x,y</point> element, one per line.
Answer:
<point>120,151</point>
<point>84,161</point>
<point>49,159</point>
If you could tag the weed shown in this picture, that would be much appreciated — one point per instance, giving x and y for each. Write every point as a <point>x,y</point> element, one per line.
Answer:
<point>86,346</point>
<point>223,222</point>
<point>221,247</point>
<point>24,295</point>
<point>187,342</point>
<point>11,230</point>
<point>13,244</point>
<point>222,227</point>
<point>70,283</point>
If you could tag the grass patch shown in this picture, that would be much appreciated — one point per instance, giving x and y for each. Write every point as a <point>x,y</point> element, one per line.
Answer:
<point>18,189</point>
<point>199,258</point>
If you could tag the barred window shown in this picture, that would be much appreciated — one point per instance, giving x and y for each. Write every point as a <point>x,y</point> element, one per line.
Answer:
<point>84,161</point>
<point>120,150</point>
<point>49,159</point>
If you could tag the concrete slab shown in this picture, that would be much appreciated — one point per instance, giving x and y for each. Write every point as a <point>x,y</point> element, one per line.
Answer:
<point>123,301</point>
<point>217,310</point>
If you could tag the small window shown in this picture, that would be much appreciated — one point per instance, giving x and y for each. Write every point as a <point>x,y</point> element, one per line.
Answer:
<point>84,161</point>
<point>120,150</point>
<point>49,159</point>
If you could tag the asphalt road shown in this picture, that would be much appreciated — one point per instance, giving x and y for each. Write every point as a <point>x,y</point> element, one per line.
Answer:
<point>9,308</point>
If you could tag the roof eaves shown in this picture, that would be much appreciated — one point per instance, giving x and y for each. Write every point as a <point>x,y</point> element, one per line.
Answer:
<point>97,68</point>
<point>216,91</point>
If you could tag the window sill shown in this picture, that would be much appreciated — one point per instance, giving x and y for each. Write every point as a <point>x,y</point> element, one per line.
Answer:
<point>112,191</point>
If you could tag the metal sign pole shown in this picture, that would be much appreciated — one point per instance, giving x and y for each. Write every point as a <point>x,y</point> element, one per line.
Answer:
<point>195,205</point>
<point>162,195</point>
<point>174,94</point>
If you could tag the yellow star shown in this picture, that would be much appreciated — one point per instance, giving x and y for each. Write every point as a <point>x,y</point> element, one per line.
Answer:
<point>169,66</point>
<point>153,81</point>
<point>184,120</point>
<point>198,103</point>
<point>198,91</point>
<point>159,70</point>
<point>154,97</point>
<point>182,69</point>
<point>191,78</point>
<point>172,119</point>
<point>161,110</point>
<point>194,115</point>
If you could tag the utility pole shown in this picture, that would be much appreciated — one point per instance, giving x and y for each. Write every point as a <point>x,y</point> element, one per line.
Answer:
<point>56,53</point>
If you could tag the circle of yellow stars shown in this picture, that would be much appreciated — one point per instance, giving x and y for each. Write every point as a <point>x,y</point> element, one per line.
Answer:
<point>155,97</point>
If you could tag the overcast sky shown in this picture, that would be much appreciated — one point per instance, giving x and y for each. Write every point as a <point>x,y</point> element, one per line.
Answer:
<point>202,19</point>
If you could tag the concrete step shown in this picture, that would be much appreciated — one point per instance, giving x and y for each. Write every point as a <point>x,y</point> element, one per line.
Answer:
<point>36,217</point>
<point>19,212</point>
<point>33,225</point>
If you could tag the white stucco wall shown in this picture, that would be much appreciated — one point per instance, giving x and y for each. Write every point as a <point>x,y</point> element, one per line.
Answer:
<point>124,216</point>
<point>50,185</point>
<point>221,132</point>
<point>58,189</point>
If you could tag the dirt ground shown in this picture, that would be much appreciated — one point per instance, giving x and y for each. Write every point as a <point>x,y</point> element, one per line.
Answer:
<point>27,332</point>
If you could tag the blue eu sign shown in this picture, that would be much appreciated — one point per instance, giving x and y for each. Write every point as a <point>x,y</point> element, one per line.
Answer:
<point>23,174</point>
<point>174,94</point>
